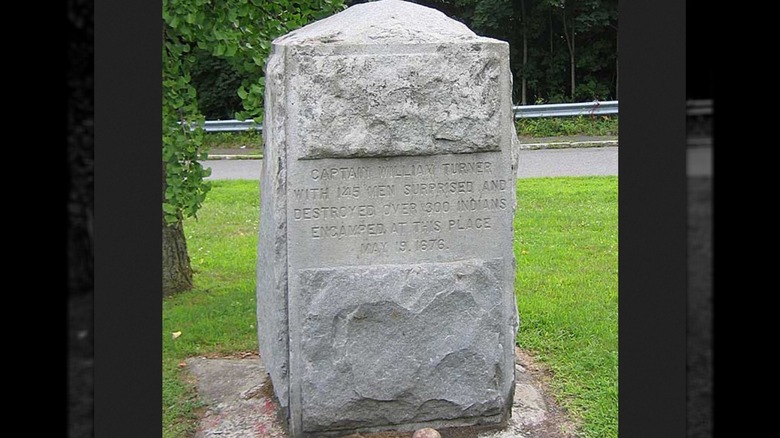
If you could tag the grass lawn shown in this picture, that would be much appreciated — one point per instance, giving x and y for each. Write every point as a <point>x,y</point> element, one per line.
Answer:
<point>566,244</point>
<point>218,316</point>
<point>566,247</point>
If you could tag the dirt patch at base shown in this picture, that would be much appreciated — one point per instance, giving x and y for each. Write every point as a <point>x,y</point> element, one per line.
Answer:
<point>239,400</point>
<point>559,423</point>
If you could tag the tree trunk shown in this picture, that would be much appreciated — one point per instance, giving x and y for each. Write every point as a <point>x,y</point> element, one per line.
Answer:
<point>617,73</point>
<point>551,33</point>
<point>177,272</point>
<point>570,45</point>
<point>523,81</point>
<point>572,65</point>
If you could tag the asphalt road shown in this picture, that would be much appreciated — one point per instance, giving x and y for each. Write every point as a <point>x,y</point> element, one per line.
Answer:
<point>533,163</point>
<point>700,161</point>
<point>568,162</point>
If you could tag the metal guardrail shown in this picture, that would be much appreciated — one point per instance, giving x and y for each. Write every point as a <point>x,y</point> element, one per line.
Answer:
<point>594,108</point>
<point>231,125</point>
<point>699,122</point>
<point>701,107</point>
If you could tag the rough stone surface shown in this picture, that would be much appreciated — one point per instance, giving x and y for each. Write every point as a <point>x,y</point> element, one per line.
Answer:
<point>385,265</point>
<point>390,105</point>
<point>272,324</point>
<point>419,343</point>
<point>381,23</point>
<point>233,393</point>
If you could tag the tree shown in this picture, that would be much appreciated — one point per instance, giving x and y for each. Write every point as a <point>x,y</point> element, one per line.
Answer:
<point>569,32</point>
<point>240,32</point>
<point>183,187</point>
<point>216,82</point>
<point>80,146</point>
<point>593,21</point>
<point>596,21</point>
<point>524,83</point>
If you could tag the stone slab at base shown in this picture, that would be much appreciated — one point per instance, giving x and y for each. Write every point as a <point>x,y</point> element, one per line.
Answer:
<point>239,403</point>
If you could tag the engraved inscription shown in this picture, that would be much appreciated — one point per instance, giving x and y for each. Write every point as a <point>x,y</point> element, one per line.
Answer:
<point>382,208</point>
<point>340,173</point>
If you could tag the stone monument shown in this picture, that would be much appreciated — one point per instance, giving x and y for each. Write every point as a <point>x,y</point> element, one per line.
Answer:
<point>385,285</point>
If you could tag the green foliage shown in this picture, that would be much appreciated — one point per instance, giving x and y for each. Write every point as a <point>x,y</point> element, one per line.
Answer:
<point>559,126</point>
<point>591,89</point>
<point>591,23</point>
<point>216,83</point>
<point>250,140</point>
<point>240,33</point>
<point>184,186</point>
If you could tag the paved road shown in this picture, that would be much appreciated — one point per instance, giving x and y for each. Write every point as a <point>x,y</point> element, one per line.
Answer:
<point>699,161</point>
<point>533,163</point>
<point>568,162</point>
<point>234,169</point>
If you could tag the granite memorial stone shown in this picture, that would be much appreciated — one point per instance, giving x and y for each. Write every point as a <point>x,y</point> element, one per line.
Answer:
<point>385,292</point>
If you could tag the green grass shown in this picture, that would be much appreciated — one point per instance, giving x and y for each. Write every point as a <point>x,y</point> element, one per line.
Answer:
<point>567,280</point>
<point>251,140</point>
<point>218,316</point>
<point>559,126</point>
<point>566,247</point>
